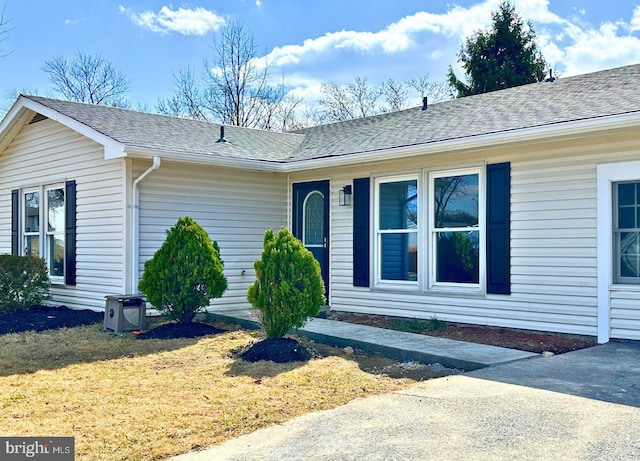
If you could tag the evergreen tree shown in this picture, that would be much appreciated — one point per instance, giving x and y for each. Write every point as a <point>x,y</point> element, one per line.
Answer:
<point>185,273</point>
<point>289,288</point>
<point>503,57</point>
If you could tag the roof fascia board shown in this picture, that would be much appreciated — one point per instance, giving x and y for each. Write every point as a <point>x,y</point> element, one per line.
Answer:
<point>558,131</point>
<point>112,148</point>
<point>245,164</point>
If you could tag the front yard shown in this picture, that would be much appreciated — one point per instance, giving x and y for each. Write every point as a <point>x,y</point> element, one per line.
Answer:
<point>127,399</point>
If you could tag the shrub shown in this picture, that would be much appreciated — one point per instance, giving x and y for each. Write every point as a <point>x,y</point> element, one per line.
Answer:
<point>24,282</point>
<point>289,288</point>
<point>185,273</point>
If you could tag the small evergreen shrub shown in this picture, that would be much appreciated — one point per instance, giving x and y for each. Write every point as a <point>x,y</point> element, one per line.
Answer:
<point>185,274</point>
<point>289,287</point>
<point>24,282</point>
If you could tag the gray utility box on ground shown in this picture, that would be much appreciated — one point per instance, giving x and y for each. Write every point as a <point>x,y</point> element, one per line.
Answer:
<point>125,312</point>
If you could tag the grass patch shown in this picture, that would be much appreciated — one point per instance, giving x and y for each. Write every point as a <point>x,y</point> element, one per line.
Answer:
<point>418,326</point>
<point>127,399</point>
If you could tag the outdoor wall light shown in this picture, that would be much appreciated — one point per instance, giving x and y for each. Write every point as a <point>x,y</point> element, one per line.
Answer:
<point>344,198</point>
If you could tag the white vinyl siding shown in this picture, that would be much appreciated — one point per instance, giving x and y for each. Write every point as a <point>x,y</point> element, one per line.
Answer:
<point>46,153</point>
<point>553,259</point>
<point>235,207</point>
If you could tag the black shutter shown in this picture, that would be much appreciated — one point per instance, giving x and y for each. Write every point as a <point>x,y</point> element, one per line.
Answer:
<point>361,233</point>
<point>70,233</point>
<point>499,228</point>
<point>15,222</point>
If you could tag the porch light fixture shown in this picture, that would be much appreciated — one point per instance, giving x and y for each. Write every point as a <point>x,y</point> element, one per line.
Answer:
<point>344,198</point>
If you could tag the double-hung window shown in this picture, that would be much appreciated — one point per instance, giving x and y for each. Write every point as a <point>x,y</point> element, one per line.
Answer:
<point>626,232</point>
<point>397,229</point>
<point>43,211</point>
<point>429,230</point>
<point>456,235</point>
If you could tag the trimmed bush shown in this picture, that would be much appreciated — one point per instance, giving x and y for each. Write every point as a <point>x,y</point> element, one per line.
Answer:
<point>185,274</point>
<point>24,282</point>
<point>289,288</point>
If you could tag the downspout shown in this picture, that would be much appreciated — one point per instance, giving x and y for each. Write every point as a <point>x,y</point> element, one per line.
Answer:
<point>135,253</point>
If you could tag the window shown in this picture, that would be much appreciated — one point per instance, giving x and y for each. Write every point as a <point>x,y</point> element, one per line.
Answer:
<point>44,226</point>
<point>626,232</point>
<point>455,228</point>
<point>434,239</point>
<point>313,217</point>
<point>397,229</point>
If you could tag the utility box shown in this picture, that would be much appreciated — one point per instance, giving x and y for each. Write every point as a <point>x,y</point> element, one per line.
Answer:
<point>125,312</point>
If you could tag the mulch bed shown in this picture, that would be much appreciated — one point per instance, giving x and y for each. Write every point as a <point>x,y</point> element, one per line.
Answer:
<point>280,350</point>
<point>180,330</point>
<point>47,318</point>
<point>531,341</point>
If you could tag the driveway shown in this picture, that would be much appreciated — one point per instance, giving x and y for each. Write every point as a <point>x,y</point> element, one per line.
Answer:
<point>584,405</point>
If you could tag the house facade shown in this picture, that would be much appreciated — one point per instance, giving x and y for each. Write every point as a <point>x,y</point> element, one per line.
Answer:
<point>517,208</point>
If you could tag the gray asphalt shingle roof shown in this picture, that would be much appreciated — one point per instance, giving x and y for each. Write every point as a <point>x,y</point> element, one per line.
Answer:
<point>589,96</point>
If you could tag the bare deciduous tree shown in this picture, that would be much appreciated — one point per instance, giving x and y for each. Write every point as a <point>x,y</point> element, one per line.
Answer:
<point>5,28</point>
<point>88,78</point>
<point>435,91</point>
<point>359,99</point>
<point>239,90</point>
<point>236,88</point>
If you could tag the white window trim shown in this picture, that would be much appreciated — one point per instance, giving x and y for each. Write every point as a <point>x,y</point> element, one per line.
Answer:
<point>432,284</point>
<point>379,282</point>
<point>43,231</point>
<point>607,175</point>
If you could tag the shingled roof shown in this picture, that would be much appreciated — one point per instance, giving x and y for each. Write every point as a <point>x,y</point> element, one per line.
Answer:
<point>590,96</point>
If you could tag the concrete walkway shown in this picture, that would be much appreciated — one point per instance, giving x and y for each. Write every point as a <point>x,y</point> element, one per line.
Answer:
<point>395,344</point>
<point>583,405</point>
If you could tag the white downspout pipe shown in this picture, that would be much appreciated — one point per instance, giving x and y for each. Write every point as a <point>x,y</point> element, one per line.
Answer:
<point>135,251</point>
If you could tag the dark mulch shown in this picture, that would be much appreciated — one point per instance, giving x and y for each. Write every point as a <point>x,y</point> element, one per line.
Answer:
<point>47,318</point>
<point>280,350</point>
<point>531,341</point>
<point>180,330</point>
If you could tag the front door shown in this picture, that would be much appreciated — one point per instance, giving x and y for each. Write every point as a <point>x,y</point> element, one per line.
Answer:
<point>311,222</point>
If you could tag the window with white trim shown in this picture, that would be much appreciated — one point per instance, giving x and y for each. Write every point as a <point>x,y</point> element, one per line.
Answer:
<point>432,239</point>
<point>626,232</point>
<point>43,226</point>
<point>397,229</point>
<point>456,235</point>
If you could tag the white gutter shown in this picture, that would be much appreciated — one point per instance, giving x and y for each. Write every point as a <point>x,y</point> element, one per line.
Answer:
<point>135,218</point>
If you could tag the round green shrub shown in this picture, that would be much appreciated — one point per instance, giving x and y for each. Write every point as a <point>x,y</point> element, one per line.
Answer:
<point>289,287</point>
<point>185,273</point>
<point>24,282</point>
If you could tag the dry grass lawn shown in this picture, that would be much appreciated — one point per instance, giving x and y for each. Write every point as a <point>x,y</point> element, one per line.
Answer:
<point>125,399</point>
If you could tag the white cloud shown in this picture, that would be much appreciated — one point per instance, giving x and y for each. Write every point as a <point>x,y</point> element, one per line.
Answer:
<point>569,43</point>
<point>635,19</point>
<point>196,21</point>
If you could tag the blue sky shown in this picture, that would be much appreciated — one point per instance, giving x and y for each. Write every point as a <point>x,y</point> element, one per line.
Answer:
<point>309,41</point>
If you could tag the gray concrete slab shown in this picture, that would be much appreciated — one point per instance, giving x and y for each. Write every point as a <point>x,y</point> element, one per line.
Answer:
<point>394,344</point>
<point>608,372</point>
<point>488,414</point>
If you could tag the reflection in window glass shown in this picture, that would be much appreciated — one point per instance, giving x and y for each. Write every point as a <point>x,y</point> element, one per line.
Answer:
<point>456,237</point>
<point>456,201</point>
<point>398,230</point>
<point>55,212</point>
<point>458,257</point>
<point>313,215</point>
<point>32,212</point>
